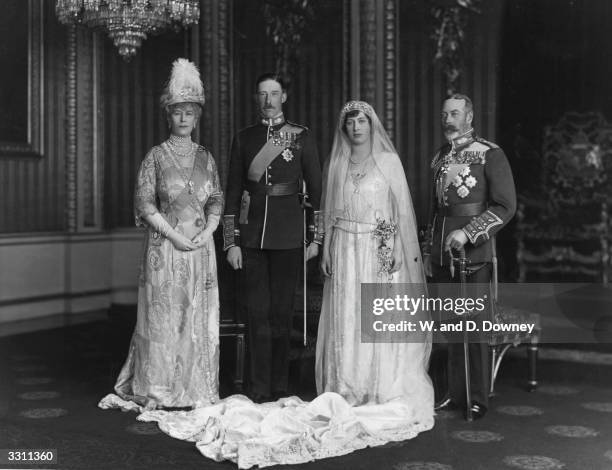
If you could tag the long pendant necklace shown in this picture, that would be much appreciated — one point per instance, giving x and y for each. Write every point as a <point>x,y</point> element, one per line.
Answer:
<point>181,170</point>
<point>360,169</point>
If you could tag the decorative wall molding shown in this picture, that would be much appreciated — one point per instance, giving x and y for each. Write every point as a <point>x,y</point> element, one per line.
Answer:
<point>368,47</point>
<point>71,131</point>
<point>215,58</point>
<point>390,96</point>
<point>213,50</point>
<point>370,56</point>
<point>68,273</point>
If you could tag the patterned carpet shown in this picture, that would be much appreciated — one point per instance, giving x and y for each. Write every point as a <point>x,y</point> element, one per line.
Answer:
<point>52,380</point>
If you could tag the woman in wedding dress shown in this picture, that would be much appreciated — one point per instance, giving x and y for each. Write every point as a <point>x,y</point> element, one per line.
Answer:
<point>370,394</point>
<point>366,196</point>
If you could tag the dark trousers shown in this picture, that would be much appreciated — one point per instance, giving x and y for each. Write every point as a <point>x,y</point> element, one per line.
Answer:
<point>478,351</point>
<point>269,283</point>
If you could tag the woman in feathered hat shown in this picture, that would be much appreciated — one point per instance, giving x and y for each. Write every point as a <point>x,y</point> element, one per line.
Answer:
<point>173,358</point>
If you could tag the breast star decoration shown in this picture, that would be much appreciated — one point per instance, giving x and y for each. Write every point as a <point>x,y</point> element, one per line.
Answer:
<point>463,181</point>
<point>287,155</point>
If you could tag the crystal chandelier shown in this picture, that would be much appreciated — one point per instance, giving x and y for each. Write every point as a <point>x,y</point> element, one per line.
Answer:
<point>128,22</point>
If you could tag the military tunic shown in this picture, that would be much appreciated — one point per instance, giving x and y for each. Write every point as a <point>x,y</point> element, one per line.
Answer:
<point>273,221</point>
<point>264,216</point>
<point>474,192</point>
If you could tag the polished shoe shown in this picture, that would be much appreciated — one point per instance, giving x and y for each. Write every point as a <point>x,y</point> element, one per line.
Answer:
<point>478,411</point>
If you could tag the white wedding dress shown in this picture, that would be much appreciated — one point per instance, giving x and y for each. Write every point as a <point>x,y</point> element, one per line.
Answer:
<point>367,372</point>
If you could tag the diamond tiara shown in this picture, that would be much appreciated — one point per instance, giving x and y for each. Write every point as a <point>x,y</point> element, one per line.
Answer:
<point>362,106</point>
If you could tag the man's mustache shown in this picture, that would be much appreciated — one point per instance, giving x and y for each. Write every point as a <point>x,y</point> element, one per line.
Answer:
<point>268,106</point>
<point>450,128</point>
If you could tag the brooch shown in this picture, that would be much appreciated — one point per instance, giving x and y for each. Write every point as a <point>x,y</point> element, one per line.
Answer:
<point>287,155</point>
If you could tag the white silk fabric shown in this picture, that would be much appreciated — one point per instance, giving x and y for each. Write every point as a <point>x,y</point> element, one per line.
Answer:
<point>368,372</point>
<point>288,431</point>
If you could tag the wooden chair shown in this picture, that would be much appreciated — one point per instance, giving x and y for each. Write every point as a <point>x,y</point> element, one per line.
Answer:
<point>500,342</point>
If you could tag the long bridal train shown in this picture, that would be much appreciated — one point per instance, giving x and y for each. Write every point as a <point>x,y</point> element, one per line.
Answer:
<point>288,431</point>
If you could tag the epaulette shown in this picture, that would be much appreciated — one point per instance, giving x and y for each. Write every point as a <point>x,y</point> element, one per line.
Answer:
<point>301,127</point>
<point>487,143</point>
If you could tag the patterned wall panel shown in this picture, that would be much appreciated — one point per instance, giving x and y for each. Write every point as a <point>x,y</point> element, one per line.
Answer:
<point>213,42</point>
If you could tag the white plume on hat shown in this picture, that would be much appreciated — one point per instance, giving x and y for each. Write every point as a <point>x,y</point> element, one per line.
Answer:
<point>184,86</point>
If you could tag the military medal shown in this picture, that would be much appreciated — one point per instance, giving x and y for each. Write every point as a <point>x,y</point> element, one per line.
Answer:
<point>284,139</point>
<point>190,184</point>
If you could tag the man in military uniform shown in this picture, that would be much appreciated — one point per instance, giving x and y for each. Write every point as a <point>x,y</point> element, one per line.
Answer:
<point>270,164</point>
<point>474,197</point>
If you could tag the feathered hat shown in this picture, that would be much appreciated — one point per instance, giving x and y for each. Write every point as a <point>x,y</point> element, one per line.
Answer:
<point>184,85</point>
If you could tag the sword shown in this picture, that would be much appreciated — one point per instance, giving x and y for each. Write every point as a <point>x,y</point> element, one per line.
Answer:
<point>305,262</point>
<point>466,352</point>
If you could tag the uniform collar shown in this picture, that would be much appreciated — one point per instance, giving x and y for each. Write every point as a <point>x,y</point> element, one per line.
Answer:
<point>462,141</point>
<point>275,121</point>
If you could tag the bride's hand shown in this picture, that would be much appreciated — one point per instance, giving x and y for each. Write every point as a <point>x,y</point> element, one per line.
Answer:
<point>397,261</point>
<point>326,264</point>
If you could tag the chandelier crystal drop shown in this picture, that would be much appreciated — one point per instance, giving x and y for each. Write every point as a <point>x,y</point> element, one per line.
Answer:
<point>129,22</point>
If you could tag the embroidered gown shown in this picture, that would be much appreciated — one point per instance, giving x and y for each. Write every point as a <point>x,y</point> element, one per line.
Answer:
<point>173,358</point>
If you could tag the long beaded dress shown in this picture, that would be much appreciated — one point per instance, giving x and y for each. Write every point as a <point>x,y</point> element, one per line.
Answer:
<point>173,358</point>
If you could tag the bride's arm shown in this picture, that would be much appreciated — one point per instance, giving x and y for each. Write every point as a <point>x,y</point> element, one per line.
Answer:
<point>326,266</point>
<point>397,240</point>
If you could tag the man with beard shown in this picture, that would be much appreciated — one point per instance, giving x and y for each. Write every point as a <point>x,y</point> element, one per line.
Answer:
<point>473,198</point>
<point>264,229</point>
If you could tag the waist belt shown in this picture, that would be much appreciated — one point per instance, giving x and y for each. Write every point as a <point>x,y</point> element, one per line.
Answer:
<point>278,189</point>
<point>463,210</point>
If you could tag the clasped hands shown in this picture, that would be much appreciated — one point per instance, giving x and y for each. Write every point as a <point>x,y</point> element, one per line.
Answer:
<point>181,242</point>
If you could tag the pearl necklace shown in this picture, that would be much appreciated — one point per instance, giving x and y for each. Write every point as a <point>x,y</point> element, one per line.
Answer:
<point>181,146</point>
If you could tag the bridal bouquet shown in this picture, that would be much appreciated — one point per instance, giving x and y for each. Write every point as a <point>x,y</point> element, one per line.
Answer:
<point>383,232</point>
